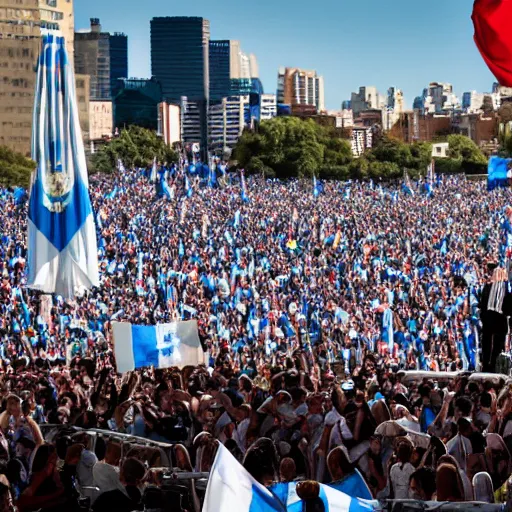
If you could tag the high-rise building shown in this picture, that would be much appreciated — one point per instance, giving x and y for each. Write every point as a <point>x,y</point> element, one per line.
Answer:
<point>368,98</point>
<point>300,89</point>
<point>169,123</point>
<point>101,118</point>
<point>137,103</point>
<point>472,101</point>
<point>191,121</point>
<point>118,60</point>
<point>82,100</point>
<point>180,48</point>
<point>437,98</point>
<point>268,107</point>
<point>225,66</point>
<point>180,56</point>
<point>21,22</point>
<point>102,56</point>
<point>226,121</point>
<point>394,107</point>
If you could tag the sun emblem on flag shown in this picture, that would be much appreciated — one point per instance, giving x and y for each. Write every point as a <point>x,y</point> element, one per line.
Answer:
<point>169,345</point>
<point>57,184</point>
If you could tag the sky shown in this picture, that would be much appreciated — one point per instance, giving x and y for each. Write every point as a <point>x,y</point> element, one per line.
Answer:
<point>402,43</point>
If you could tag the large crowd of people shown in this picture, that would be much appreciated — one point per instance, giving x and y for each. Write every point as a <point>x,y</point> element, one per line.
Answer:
<point>311,308</point>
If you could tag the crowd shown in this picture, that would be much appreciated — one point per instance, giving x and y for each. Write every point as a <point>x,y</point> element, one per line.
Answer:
<point>309,306</point>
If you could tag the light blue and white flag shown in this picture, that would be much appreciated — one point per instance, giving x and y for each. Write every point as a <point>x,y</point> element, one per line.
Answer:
<point>62,249</point>
<point>167,190</point>
<point>407,186</point>
<point>188,188</point>
<point>161,346</point>
<point>236,221</point>
<point>230,483</point>
<point>212,176</point>
<point>316,191</point>
<point>140,266</point>
<point>430,184</point>
<point>112,194</point>
<point>154,173</point>
<point>244,196</point>
<point>120,166</point>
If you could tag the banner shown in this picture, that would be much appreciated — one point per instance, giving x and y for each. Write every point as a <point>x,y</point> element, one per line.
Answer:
<point>497,172</point>
<point>161,346</point>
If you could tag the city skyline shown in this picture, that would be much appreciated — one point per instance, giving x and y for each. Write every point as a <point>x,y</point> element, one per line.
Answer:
<point>346,54</point>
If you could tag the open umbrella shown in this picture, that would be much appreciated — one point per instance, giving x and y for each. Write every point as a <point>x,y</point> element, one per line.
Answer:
<point>390,429</point>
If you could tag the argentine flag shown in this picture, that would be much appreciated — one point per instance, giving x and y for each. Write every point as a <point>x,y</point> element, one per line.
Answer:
<point>231,487</point>
<point>62,250</point>
<point>153,177</point>
<point>407,184</point>
<point>188,188</point>
<point>244,196</point>
<point>160,346</point>
<point>316,192</point>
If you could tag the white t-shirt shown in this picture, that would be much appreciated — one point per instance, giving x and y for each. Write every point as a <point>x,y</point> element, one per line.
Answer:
<point>240,434</point>
<point>459,447</point>
<point>400,476</point>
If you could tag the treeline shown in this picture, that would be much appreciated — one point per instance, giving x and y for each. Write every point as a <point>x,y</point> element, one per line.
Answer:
<point>287,147</point>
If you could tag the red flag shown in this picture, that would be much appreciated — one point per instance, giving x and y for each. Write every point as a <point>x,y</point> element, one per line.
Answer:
<point>493,37</point>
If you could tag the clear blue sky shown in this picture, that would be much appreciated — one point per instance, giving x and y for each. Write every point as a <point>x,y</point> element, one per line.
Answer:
<point>404,43</point>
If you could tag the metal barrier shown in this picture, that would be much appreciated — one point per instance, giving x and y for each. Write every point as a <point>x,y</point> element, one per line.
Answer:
<point>164,448</point>
<point>436,506</point>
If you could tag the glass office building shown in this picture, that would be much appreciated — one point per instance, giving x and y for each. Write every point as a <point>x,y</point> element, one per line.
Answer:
<point>180,61</point>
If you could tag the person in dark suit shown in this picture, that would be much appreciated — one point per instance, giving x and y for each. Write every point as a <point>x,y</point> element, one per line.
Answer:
<point>495,307</point>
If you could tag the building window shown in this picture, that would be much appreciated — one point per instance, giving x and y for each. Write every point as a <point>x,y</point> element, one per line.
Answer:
<point>50,26</point>
<point>438,151</point>
<point>51,3</point>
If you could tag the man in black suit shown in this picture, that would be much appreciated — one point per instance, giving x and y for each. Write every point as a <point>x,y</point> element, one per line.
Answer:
<point>495,307</point>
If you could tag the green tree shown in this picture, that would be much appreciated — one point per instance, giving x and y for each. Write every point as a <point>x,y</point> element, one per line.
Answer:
<point>359,168</point>
<point>385,170</point>
<point>392,150</point>
<point>505,138</point>
<point>135,147</point>
<point>463,149</point>
<point>421,157</point>
<point>291,147</point>
<point>15,169</point>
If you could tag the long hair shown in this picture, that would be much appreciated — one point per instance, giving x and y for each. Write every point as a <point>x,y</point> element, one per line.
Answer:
<point>261,461</point>
<point>449,483</point>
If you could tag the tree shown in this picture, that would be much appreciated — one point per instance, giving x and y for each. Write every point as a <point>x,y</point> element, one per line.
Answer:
<point>135,147</point>
<point>505,138</point>
<point>421,156</point>
<point>291,147</point>
<point>385,170</point>
<point>392,150</point>
<point>462,148</point>
<point>15,169</point>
